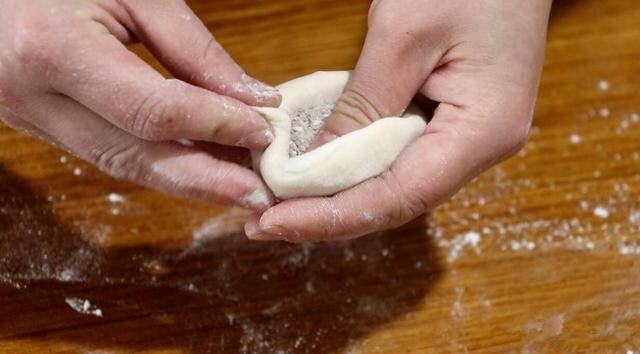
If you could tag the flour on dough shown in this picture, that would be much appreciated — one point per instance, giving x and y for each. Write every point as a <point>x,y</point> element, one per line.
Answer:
<point>339,164</point>
<point>305,125</point>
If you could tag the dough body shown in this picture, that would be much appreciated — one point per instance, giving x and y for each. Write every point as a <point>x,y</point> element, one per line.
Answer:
<point>341,163</point>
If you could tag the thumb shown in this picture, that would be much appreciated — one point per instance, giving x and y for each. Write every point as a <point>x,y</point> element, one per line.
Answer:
<point>184,45</point>
<point>392,67</point>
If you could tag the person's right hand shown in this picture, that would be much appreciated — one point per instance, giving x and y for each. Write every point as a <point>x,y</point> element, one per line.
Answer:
<point>66,77</point>
<point>479,61</point>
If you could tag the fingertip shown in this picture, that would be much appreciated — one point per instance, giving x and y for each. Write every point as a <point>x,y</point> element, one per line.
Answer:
<point>258,200</point>
<point>254,231</point>
<point>258,140</point>
<point>256,235</point>
<point>322,138</point>
<point>271,227</point>
<point>242,126</point>
<point>256,92</point>
<point>251,227</point>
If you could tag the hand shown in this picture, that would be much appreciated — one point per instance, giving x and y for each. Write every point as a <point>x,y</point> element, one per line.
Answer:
<point>66,76</point>
<point>480,60</point>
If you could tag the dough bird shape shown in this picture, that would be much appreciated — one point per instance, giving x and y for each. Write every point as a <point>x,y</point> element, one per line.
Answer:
<point>341,163</point>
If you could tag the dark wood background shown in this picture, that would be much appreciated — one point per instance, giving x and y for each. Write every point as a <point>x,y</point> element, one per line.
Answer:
<point>539,254</point>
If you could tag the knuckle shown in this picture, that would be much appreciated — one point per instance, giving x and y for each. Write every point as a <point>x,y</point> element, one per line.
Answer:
<point>397,22</point>
<point>385,19</point>
<point>155,116</point>
<point>516,134</point>
<point>519,139</point>
<point>222,128</point>
<point>356,107</point>
<point>404,207</point>
<point>120,162</point>
<point>508,127</point>
<point>28,47</point>
<point>36,44</point>
<point>210,51</point>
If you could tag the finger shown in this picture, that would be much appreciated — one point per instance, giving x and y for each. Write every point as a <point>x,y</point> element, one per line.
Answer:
<point>185,47</point>
<point>236,155</point>
<point>454,149</point>
<point>391,69</point>
<point>111,81</point>
<point>166,166</point>
<point>15,122</point>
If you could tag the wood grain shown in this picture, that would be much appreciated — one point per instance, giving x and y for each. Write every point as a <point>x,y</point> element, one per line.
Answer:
<point>540,254</point>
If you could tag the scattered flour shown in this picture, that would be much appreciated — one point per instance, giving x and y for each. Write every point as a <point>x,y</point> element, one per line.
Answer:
<point>228,223</point>
<point>534,326</point>
<point>257,197</point>
<point>115,198</point>
<point>83,306</point>
<point>603,85</point>
<point>575,138</point>
<point>457,309</point>
<point>624,249</point>
<point>458,244</point>
<point>542,330</point>
<point>590,227</point>
<point>601,212</point>
<point>555,325</point>
<point>584,205</point>
<point>522,245</point>
<point>624,124</point>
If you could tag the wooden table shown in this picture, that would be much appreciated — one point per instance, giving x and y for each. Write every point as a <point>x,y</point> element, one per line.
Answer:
<point>540,254</point>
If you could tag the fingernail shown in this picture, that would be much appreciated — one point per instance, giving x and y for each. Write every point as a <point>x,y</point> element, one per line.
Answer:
<point>256,230</point>
<point>269,231</point>
<point>258,200</point>
<point>322,138</point>
<point>251,230</point>
<point>257,140</point>
<point>325,137</point>
<point>269,134</point>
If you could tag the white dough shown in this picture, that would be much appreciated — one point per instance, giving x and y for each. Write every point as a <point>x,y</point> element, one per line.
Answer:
<point>341,163</point>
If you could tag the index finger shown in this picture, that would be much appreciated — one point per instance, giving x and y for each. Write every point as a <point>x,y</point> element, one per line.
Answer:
<point>117,85</point>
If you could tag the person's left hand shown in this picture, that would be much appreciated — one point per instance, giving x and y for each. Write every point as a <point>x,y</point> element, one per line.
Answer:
<point>67,78</point>
<point>480,60</point>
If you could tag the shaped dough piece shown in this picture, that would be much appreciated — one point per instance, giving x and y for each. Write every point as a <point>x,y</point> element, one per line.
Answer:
<point>341,163</point>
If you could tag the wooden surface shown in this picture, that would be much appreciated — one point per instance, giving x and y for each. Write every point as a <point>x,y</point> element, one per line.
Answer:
<point>540,254</point>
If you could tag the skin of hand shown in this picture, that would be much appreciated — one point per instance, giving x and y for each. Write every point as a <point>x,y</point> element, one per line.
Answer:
<point>67,77</point>
<point>479,60</point>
